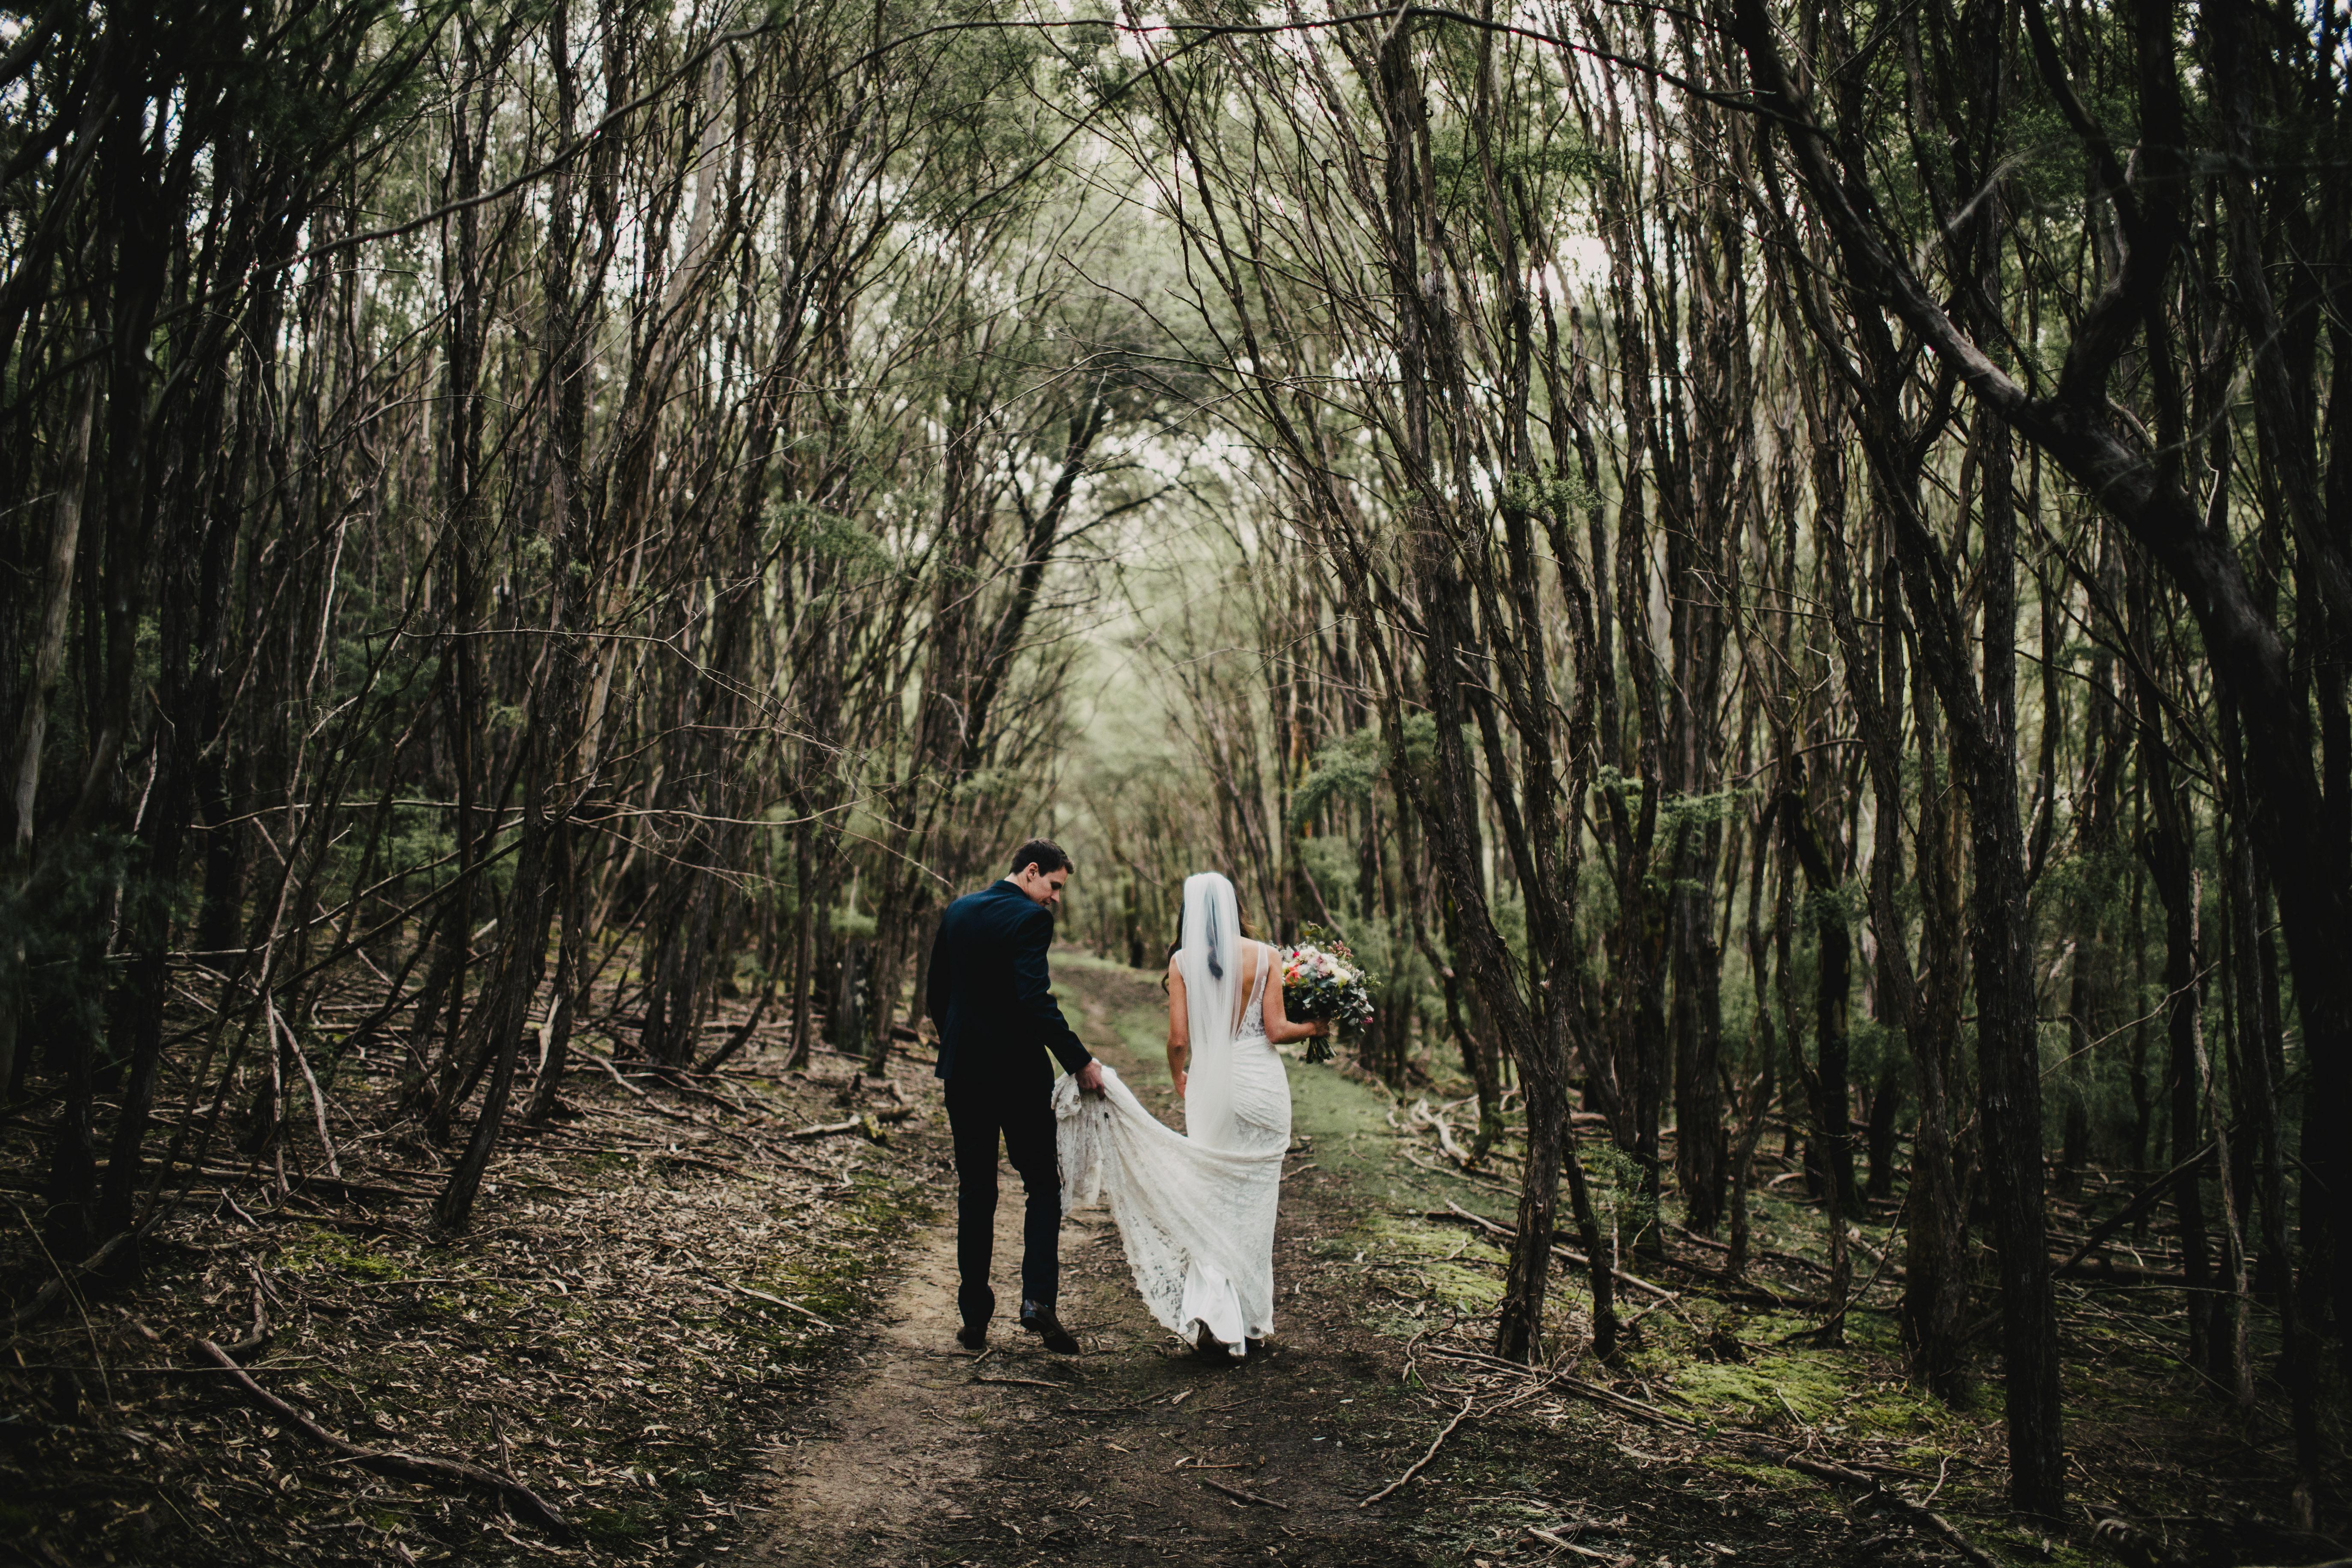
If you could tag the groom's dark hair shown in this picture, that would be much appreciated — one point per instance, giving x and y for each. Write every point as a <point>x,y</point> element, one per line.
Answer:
<point>1041,853</point>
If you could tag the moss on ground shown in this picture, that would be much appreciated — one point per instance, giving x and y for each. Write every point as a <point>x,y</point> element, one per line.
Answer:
<point>312,1247</point>
<point>1832,1390</point>
<point>1446,1262</point>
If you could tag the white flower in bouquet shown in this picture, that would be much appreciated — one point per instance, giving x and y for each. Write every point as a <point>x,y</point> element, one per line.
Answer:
<point>1319,984</point>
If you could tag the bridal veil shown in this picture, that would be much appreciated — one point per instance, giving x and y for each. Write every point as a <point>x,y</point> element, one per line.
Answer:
<point>1209,960</point>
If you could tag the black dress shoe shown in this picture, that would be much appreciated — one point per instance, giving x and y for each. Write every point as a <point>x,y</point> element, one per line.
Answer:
<point>1041,1321</point>
<point>973,1336</point>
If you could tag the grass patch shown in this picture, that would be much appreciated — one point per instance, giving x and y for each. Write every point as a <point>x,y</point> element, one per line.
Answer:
<point>1445,1263</point>
<point>313,1247</point>
<point>1810,1388</point>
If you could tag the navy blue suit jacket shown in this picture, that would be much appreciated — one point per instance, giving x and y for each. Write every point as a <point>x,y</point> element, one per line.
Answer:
<point>989,993</point>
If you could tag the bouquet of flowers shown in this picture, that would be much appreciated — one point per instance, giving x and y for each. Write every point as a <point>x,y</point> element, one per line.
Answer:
<point>1323,979</point>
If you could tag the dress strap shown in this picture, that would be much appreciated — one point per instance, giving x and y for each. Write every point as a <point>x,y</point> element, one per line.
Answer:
<point>1254,1006</point>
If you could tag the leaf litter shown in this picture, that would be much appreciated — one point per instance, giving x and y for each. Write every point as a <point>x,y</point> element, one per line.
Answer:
<point>651,1290</point>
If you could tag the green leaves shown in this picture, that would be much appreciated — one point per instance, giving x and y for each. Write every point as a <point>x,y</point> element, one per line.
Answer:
<point>1345,769</point>
<point>1559,495</point>
<point>827,536</point>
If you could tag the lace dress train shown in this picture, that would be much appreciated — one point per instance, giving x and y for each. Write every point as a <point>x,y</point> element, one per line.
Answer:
<point>1195,1213</point>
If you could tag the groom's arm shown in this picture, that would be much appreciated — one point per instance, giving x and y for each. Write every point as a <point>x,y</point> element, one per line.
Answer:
<point>1033,992</point>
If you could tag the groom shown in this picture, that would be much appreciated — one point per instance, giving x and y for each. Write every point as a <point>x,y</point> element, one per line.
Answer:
<point>993,1003</point>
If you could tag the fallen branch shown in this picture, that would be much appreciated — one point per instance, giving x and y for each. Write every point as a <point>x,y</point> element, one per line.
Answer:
<point>665,1156</point>
<point>822,1129</point>
<point>455,1475</point>
<point>864,1122</point>
<point>1594,1391</point>
<point>1790,1258</point>
<point>1456,1211</point>
<point>2106,1270</point>
<point>1028,1382</point>
<point>1600,1395</point>
<point>1435,1444</point>
<point>1473,1177</point>
<point>658,1108</point>
<point>788,1306</point>
<point>1916,1513</point>
<point>1565,1544</point>
<point>260,1335</point>
<point>1424,1115</point>
<point>2147,1198</point>
<point>317,1186</point>
<point>59,1284</point>
<point>1239,1496</point>
<point>743,1033</point>
<point>617,1143</point>
<point>651,1104</point>
<point>353,1223</point>
<point>318,1097</point>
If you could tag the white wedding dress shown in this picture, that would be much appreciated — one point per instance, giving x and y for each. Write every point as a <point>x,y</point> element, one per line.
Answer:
<point>1195,1210</point>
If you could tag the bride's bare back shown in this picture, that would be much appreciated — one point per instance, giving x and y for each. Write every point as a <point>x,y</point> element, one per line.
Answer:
<point>1256,956</point>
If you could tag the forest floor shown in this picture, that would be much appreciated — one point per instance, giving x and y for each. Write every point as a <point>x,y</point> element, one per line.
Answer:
<point>712,1324</point>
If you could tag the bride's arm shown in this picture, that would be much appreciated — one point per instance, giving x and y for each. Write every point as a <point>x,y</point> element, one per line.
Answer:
<point>1179,1030</point>
<point>1280,1030</point>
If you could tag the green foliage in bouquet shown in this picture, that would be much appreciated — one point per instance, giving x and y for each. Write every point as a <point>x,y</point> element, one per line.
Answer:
<point>1322,979</point>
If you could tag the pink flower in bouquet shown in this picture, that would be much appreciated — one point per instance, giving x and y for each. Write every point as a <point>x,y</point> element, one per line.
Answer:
<point>1321,982</point>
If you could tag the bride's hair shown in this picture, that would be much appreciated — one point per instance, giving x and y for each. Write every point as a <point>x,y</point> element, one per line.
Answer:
<point>1249,930</point>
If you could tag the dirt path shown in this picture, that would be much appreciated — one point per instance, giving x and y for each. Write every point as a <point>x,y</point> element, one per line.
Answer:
<point>924,1459</point>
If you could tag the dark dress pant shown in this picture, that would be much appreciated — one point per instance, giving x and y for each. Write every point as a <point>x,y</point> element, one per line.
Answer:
<point>978,1112</point>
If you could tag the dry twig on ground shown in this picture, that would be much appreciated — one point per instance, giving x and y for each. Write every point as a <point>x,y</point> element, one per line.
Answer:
<point>1435,1444</point>
<point>397,1464</point>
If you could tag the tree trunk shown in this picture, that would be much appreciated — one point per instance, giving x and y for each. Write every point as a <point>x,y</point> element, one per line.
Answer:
<point>1832,1089</point>
<point>803,947</point>
<point>2008,1057</point>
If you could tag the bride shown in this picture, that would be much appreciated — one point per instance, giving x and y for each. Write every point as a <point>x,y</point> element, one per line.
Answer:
<point>1196,1211</point>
